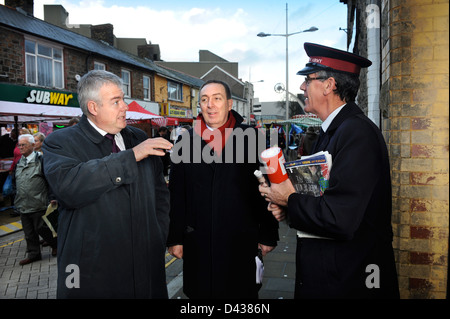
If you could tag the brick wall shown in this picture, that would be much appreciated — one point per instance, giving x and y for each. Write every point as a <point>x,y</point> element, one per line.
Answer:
<point>12,62</point>
<point>415,88</point>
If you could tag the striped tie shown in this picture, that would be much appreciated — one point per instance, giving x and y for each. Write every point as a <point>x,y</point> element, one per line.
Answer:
<point>115,148</point>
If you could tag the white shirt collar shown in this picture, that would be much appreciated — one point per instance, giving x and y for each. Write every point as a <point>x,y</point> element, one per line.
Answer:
<point>331,117</point>
<point>118,137</point>
<point>31,157</point>
<point>102,132</point>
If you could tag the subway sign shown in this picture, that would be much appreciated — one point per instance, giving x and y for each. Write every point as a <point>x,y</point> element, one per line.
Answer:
<point>26,94</point>
<point>45,97</point>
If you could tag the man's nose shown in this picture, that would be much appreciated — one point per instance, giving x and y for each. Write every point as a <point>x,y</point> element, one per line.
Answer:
<point>303,86</point>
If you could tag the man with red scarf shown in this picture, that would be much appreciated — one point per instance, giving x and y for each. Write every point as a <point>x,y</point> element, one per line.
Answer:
<point>217,218</point>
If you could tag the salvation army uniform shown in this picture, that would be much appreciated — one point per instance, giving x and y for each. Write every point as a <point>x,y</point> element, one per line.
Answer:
<point>348,251</point>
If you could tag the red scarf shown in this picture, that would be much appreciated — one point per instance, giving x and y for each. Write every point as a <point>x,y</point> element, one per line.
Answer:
<point>217,138</point>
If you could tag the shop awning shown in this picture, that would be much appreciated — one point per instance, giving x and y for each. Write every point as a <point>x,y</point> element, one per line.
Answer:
<point>41,112</point>
<point>26,112</point>
<point>135,108</point>
<point>137,112</point>
<point>157,120</point>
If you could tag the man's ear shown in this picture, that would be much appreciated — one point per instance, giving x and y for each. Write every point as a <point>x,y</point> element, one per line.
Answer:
<point>330,86</point>
<point>92,107</point>
<point>230,104</point>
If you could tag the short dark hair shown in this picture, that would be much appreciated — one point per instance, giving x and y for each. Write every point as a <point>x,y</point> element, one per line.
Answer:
<point>225,85</point>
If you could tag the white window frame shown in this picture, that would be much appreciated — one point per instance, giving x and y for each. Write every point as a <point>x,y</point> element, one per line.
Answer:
<point>99,66</point>
<point>174,91</point>
<point>32,59</point>
<point>126,84</point>
<point>148,89</point>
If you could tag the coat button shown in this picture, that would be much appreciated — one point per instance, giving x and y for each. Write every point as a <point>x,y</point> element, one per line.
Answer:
<point>118,179</point>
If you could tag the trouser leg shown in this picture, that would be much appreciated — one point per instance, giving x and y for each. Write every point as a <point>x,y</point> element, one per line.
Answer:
<point>45,232</point>
<point>29,226</point>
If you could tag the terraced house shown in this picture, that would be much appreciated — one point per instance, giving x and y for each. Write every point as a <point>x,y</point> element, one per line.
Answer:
<point>41,64</point>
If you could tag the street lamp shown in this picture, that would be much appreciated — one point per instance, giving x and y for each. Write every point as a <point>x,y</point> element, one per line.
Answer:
<point>286,35</point>
<point>250,93</point>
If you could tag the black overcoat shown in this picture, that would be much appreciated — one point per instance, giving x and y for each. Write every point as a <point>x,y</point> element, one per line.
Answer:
<point>219,216</point>
<point>355,212</point>
<point>114,215</point>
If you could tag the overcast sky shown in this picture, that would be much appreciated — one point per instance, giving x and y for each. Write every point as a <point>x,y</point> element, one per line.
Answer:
<point>227,28</point>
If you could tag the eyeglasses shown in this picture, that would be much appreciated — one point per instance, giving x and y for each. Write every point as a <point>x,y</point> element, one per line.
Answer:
<point>308,79</point>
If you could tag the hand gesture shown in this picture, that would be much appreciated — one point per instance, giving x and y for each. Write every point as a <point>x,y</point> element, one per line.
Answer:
<point>151,146</point>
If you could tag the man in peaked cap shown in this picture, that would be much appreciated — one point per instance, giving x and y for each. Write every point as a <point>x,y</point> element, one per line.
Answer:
<point>344,247</point>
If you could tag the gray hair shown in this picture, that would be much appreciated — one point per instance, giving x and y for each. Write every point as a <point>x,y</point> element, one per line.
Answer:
<point>90,84</point>
<point>40,135</point>
<point>29,137</point>
<point>347,85</point>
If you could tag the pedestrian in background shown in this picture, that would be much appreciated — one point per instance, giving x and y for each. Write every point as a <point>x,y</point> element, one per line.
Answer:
<point>113,199</point>
<point>8,142</point>
<point>31,199</point>
<point>74,121</point>
<point>17,152</point>
<point>309,139</point>
<point>344,247</point>
<point>38,140</point>
<point>217,219</point>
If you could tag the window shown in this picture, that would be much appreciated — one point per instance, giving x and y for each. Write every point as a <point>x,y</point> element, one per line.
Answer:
<point>44,64</point>
<point>99,66</point>
<point>174,91</point>
<point>126,83</point>
<point>146,86</point>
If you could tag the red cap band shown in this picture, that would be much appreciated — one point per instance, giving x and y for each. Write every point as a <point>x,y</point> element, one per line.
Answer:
<point>336,64</point>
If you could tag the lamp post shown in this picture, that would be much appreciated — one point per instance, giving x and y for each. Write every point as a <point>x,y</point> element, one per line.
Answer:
<point>287,35</point>
<point>249,96</point>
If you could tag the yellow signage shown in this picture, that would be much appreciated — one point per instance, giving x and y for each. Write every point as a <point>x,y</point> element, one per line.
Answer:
<point>45,97</point>
<point>177,113</point>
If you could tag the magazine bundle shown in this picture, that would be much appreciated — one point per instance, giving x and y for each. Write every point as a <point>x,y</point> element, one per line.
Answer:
<point>310,174</point>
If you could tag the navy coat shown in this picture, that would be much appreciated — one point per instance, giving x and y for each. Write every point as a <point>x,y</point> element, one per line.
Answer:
<point>113,219</point>
<point>219,216</point>
<point>355,212</point>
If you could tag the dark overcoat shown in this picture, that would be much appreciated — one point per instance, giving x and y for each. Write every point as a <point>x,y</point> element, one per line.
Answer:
<point>218,215</point>
<point>114,215</point>
<point>354,212</point>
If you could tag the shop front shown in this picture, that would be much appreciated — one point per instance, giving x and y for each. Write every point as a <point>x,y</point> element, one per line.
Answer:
<point>175,115</point>
<point>37,109</point>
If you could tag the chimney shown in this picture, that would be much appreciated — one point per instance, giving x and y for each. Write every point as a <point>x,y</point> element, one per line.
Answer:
<point>103,32</point>
<point>25,5</point>
<point>56,14</point>
<point>149,51</point>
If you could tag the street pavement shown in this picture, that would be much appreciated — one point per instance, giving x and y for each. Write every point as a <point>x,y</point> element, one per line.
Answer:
<point>38,279</point>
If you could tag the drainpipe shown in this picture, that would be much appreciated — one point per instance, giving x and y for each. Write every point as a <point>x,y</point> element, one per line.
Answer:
<point>373,54</point>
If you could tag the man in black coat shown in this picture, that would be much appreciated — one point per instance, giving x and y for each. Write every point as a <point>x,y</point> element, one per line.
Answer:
<point>114,203</point>
<point>217,218</point>
<point>344,245</point>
